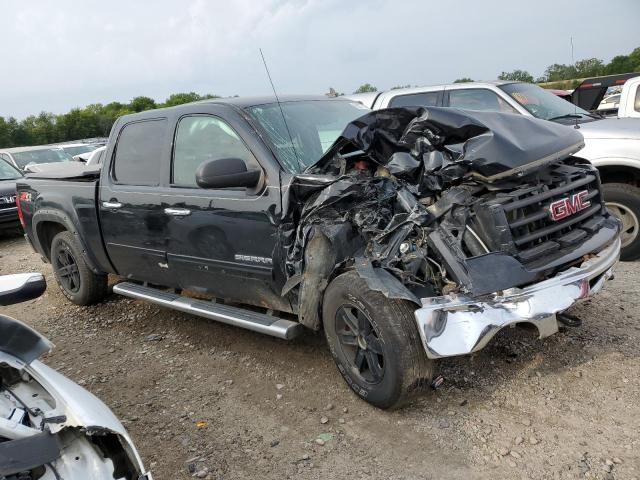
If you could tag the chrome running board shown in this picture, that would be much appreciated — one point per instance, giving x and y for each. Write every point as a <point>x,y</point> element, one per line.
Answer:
<point>238,317</point>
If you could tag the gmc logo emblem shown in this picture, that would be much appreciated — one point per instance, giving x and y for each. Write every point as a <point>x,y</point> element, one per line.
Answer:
<point>568,206</point>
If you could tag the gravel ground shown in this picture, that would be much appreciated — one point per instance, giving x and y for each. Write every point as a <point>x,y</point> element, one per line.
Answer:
<point>206,400</point>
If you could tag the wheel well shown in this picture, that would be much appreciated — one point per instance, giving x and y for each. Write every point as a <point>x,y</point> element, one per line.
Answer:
<point>620,174</point>
<point>46,231</point>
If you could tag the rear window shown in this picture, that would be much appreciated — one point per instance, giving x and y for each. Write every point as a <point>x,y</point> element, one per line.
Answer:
<point>138,153</point>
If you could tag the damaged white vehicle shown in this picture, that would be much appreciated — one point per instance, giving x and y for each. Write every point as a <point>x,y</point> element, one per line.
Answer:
<point>50,427</point>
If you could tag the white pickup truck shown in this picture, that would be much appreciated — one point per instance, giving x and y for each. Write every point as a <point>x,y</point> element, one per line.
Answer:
<point>611,144</point>
<point>629,105</point>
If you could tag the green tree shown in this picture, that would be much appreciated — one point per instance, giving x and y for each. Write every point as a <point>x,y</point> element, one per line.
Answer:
<point>42,128</point>
<point>367,87</point>
<point>5,135</point>
<point>559,71</point>
<point>589,67</point>
<point>180,98</point>
<point>94,120</point>
<point>516,76</point>
<point>635,60</point>
<point>140,104</point>
<point>620,64</point>
<point>18,133</point>
<point>463,80</point>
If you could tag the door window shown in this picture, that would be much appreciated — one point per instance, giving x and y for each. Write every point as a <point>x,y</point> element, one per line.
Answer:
<point>479,99</point>
<point>200,139</point>
<point>138,153</point>
<point>424,99</point>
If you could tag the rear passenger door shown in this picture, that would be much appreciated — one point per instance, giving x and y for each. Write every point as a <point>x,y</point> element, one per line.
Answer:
<point>134,226</point>
<point>223,240</point>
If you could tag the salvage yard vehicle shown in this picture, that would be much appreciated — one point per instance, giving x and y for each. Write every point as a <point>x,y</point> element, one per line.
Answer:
<point>50,427</point>
<point>611,144</point>
<point>629,105</point>
<point>23,157</point>
<point>91,158</point>
<point>407,234</point>
<point>8,209</point>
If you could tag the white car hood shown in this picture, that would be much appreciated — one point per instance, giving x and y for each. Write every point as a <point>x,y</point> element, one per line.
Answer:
<point>81,407</point>
<point>74,409</point>
<point>612,128</point>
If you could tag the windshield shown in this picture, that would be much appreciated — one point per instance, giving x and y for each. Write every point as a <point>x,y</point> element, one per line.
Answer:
<point>7,172</point>
<point>314,126</point>
<point>542,103</point>
<point>77,150</point>
<point>48,155</point>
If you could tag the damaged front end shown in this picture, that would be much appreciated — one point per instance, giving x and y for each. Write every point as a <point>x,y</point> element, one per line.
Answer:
<point>50,427</point>
<point>481,219</point>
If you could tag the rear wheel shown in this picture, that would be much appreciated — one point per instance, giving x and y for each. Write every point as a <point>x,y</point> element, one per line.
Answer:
<point>623,201</point>
<point>375,343</point>
<point>76,280</point>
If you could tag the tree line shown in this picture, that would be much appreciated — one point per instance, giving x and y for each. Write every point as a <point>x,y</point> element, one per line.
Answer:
<point>588,67</point>
<point>96,120</point>
<point>91,121</point>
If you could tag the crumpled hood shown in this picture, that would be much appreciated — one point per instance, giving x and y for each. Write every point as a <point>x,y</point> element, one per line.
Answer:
<point>612,128</point>
<point>488,144</point>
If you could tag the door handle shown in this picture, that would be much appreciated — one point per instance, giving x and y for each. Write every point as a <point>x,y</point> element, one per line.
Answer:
<point>177,212</point>
<point>113,205</point>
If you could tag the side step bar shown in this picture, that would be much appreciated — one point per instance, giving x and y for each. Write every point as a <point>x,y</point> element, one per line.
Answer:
<point>257,322</point>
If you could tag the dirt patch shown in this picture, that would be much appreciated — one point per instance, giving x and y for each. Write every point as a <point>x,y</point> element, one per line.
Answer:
<point>204,399</point>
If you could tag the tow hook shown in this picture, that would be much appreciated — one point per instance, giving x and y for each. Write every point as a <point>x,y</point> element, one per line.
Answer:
<point>437,382</point>
<point>569,320</point>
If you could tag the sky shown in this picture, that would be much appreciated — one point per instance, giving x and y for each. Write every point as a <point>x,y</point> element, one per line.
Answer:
<point>56,55</point>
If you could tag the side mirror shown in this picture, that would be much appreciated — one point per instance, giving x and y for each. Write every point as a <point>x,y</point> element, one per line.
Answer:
<point>226,173</point>
<point>21,287</point>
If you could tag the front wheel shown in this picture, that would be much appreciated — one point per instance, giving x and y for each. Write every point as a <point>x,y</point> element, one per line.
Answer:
<point>623,201</point>
<point>76,280</point>
<point>375,343</point>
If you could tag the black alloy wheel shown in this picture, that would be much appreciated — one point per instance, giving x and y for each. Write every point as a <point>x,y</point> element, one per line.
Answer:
<point>67,268</point>
<point>360,343</point>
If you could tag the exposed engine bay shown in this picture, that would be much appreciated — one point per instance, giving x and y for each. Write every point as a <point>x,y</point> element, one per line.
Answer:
<point>50,427</point>
<point>427,202</point>
<point>35,444</point>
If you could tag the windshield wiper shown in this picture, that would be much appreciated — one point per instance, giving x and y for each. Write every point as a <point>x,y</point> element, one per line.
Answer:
<point>566,115</point>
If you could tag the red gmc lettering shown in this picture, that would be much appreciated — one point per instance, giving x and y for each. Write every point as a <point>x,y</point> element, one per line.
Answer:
<point>568,206</point>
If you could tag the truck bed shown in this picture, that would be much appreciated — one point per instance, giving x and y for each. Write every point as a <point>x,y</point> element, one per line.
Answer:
<point>64,199</point>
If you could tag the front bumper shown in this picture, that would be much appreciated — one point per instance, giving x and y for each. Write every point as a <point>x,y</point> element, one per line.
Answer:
<point>458,325</point>
<point>9,217</point>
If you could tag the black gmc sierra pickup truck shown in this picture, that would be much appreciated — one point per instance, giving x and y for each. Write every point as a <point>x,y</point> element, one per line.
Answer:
<point>406,234</point>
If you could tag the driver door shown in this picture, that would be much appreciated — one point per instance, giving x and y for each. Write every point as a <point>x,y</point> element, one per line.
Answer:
<point>222,241</point>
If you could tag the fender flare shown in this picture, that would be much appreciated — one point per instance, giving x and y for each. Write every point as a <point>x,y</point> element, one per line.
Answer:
<point>63,219</point>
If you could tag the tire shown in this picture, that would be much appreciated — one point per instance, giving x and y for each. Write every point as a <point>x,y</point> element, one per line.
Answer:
<point>74,277</point>
<point>402,369</point>
<point>623,201</point>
